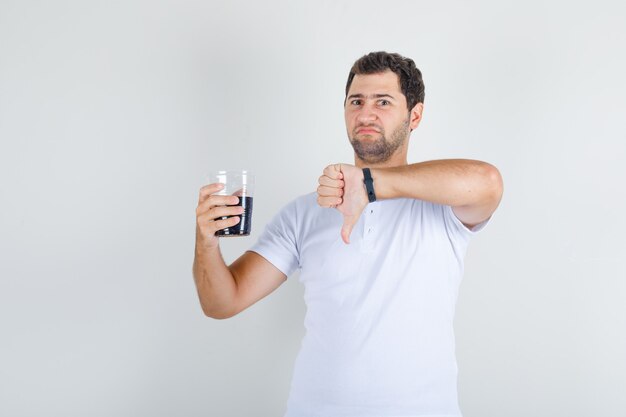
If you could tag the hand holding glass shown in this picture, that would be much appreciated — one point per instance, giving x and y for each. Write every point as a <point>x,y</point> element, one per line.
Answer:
<point>239,183</point>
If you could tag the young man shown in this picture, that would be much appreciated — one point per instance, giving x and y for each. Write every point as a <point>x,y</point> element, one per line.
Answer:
<point>380,249</point>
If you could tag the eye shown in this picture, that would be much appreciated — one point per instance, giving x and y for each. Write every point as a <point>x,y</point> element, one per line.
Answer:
<point>384,102</point>
<point>356,102</point>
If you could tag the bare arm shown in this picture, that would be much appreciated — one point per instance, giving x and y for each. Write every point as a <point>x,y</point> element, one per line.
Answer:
<point>472,188</point>
<point>223,290</point>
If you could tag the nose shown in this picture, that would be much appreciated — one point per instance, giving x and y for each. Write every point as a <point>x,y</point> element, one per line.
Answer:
<point>366,114</point>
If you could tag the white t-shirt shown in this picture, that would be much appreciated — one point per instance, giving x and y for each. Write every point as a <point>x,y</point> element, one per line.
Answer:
<point>379,322</point>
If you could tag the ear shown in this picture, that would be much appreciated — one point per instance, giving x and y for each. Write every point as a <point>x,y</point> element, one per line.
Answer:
<point>415,115</point>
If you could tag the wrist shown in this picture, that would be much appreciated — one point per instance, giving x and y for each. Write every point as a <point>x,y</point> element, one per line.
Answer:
<point>368,182</point>
<point>205,242</point>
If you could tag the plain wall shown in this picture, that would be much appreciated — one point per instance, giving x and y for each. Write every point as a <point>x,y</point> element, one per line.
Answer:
<point>113,113</point>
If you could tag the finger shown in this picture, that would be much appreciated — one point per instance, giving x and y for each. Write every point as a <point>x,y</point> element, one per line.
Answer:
<point>225,223</point>
<point>207,190</point>
<point>223,211</point>
<point>218,214</point>
<point>218,211</point>
<point>329,182</point>
<point>240,192</point>
<point>208,226</point>
<point>328,201</point>
<point>329,192</point>
<point>346,230</point>
<point>215,201</point>
<point>333,171</point>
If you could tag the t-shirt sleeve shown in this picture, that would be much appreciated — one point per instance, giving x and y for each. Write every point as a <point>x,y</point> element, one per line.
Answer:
<point>278,242</point>
<point>456,226</point>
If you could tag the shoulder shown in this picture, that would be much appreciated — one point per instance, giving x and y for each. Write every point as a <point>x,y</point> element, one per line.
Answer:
<point>306,201</point>
<point>301,204</point>
<point>304,215</point>
<point>445,215</point>
<point>298,209</point>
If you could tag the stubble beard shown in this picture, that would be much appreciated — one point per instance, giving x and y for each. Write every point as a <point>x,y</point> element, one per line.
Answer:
<point>381,149</point>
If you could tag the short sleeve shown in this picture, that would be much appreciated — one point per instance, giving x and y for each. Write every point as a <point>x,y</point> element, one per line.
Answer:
<point>278,243</point>
<point>454,224</point>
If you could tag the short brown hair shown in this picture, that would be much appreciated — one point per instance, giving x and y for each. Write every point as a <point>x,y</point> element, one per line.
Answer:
<point>411,83</point>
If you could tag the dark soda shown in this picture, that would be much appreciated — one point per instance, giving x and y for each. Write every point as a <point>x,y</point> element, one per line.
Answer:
<point>245,224</point>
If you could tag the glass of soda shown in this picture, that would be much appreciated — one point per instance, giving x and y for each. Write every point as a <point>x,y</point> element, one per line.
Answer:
<point>241,184</point>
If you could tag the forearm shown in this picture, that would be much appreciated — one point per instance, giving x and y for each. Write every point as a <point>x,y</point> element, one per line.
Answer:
<point>215,283</point>
<point>453,182</point>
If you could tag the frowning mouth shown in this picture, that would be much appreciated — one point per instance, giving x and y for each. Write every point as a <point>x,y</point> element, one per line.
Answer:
<point>367,130</point>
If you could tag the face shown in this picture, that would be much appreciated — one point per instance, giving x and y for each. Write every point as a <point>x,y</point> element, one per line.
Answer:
<point>378,121</point>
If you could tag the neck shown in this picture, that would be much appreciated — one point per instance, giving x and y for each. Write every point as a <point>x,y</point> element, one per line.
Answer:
<point>395,161</point>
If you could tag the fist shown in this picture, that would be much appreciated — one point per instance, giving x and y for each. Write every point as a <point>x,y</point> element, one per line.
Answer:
<point>341,187</point>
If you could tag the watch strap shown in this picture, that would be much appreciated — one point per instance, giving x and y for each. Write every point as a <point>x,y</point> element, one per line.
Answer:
<point>369,185</point>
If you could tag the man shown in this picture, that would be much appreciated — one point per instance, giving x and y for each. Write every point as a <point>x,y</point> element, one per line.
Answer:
<point>380,249</point>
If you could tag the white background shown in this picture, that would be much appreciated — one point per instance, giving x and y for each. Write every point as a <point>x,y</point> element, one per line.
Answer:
<point>113,113</point>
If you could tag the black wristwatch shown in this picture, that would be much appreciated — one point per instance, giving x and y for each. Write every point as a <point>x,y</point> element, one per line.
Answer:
<point>369,185</point>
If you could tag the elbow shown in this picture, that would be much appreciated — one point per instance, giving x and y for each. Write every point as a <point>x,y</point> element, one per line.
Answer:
<point>218,314</point>
<point>493,183</point>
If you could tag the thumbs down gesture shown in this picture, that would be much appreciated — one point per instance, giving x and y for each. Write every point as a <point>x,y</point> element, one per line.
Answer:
<point>341,187</point>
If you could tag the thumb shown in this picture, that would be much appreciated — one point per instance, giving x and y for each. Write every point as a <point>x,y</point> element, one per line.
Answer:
<point>346,229</point>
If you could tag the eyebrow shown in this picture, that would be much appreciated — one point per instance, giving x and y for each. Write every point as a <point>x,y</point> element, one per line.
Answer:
<point>351,96</point>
